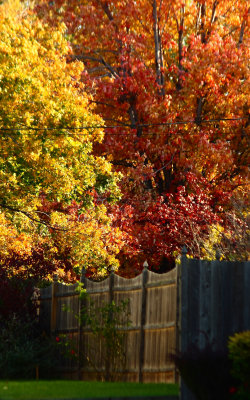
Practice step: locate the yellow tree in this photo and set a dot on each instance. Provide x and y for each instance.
(50, 180)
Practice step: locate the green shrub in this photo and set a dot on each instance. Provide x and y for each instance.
(239, 355)
(107, 323)
(24, 351)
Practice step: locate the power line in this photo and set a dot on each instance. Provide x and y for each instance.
(134, 127)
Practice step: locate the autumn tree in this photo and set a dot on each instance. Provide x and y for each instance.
(170, 79)
(52, 186)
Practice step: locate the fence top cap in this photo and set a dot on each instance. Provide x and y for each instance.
(145, 264)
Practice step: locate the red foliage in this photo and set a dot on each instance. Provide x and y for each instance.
(178, 178)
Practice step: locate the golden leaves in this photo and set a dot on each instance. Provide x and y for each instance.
(11, 240)
(44, 150)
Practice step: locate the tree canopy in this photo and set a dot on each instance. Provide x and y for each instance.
(52, 186)
(123, 133)
(171, 81)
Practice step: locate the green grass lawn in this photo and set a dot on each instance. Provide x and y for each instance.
(34, 390)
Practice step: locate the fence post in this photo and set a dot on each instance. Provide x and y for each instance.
(111, 285)
(185, 393)
(184, 300)
(178, 318)
(143, 320)
(108, 365)
(82, 303)
(53, 304)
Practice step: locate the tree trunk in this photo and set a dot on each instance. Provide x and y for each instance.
(158, 52)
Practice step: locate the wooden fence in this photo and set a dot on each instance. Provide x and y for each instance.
(151, 336)
(215, 303)
(197, 303)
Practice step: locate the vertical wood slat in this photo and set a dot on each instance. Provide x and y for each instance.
(178, 317)
(53, 314)
(143, 320)
(82, 303)
(237, 297)
(186, 334)
(131, 289)
(45, 309)
(204, 304)
(111, 299)
(226, 302)
(184, 301)
(216, 303)
(160, 328)
(246, 290)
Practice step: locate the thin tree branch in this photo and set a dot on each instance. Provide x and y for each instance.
(158, 52)
(200, 102)
(213, 18)
(242, 30)
(166, 165)
(203, 16)
(102, 103)
(28, 215)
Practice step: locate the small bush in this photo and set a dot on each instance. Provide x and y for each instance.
(24, 351)
(239, 354)
(107, 323)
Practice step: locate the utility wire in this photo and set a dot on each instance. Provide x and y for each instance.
(89, 127)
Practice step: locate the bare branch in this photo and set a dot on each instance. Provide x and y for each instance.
(203, 16)
(158, 52)
(213, 18)
(200, 102)
(242, 30)
(197, 23)
(106, 9)
(166, 165)
(109, 68)
(230, 32)
(123, 163)
(102, 103)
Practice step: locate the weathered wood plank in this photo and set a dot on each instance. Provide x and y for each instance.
(143, 320)
(184, 303)
(193, 301)
(237, 324)
(157, 279)
(216, 305)
(127, 284)
(205, 304)
(226, 304)
(53, 315)
(246, 294)
(97, 287)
